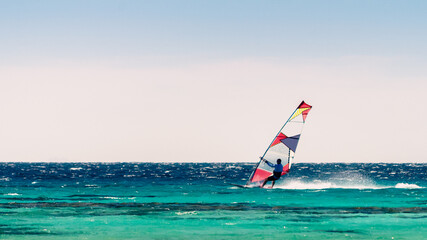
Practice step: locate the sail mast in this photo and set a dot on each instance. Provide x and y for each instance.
(252, 174)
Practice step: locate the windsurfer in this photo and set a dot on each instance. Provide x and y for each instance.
(277, 173)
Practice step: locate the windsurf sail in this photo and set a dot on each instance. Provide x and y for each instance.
(283, 145)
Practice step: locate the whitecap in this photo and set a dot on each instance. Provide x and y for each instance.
(186, 213)
(299, 185)
(407, 185)
(115, 198)
(315, 185)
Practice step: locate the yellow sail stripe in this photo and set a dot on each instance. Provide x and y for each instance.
(298, 112)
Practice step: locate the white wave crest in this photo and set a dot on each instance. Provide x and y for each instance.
(407, 185)
(299, 185)
(186, 213)
(114, 198)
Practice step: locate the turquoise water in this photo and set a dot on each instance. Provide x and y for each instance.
(183, 201)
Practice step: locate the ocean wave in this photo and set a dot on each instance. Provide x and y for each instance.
(114, 198)
(186, 213)
(299, 185)
(315, 185)
(407, 185)
(131, 208)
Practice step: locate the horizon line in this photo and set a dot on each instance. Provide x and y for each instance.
(201, 162)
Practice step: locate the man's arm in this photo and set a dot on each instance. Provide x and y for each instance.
(268, 163)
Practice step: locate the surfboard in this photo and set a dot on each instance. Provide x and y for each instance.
(238, 185)
(249, 186)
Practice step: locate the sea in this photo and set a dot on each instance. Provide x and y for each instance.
(198, 201)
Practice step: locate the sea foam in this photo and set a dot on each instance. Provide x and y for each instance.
(300, 185)
(407, 185)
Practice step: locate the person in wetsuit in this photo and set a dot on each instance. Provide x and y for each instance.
(277, 173)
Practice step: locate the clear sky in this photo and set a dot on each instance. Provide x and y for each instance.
(211, 81)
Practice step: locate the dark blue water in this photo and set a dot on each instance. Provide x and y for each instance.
(185, 200)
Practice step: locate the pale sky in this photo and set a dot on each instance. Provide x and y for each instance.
(211, 81)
